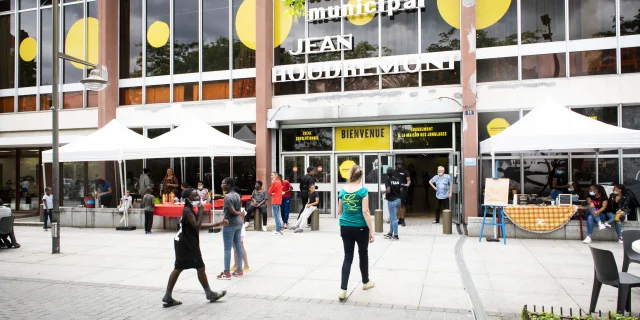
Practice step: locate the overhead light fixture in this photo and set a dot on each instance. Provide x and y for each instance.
(96, 81)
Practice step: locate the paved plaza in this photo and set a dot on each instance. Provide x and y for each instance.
(103, 273)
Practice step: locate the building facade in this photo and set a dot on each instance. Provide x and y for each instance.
(352, 82)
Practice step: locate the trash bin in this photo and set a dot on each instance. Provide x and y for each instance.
(315, 220)
(378, 220)
(446, 222)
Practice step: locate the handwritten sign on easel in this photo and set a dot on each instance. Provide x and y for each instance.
(496, 192)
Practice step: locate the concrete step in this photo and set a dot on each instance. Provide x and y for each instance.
(28, 223)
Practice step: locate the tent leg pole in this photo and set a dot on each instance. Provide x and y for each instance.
(597, 168)
(44, 178)
(213, 179)
(124, 192)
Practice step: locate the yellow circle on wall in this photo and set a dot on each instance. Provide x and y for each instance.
(496, 126)
(75, 41)
(246, 23)
(488, 12)
(345, 167)
(28, 49)
(158, 34)
(364, 18)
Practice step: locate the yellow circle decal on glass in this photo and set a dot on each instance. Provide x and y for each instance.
(488, 12)
(246, 23)
(75, 44)
(158, 34)
(345, 167)
(28, 49)
(496, 126)
(365, 17)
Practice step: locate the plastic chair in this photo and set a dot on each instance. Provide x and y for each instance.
(6, 225)
(629, 236)
(606, 272)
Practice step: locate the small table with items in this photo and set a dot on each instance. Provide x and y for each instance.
(541, 218)
(170, 210)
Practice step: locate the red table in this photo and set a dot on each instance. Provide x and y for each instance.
(218, 204)
(175, 211)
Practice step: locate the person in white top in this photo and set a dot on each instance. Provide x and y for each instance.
(4, 242)
(203, 192)
(47, 202)
(125, 204)
(245, 258)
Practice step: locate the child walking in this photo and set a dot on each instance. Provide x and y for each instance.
(125, 203)
(148, 203)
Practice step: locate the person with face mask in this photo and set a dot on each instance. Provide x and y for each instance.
(442, 184)
(619, 208)
(596, 205)
(559, 183)
(203, 192)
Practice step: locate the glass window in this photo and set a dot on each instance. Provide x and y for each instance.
(343, 175)
(7, 51)
(157, 167)
(442, 77)
(28, 48)
(221, 170)
(631, 120)
(281, 55)
(630, 24)
(29, 180)
(46, 50)
(608, 171)
(183, 92)
(504, 32)
(492, 123)
(324, 27)
(215, 90)
(158, 55)
(245, 132)
(327, 85)
(294, 169)
(608, 115)
(130, 96)
(498, 69)
(596, 62)
(400, 33)
(630, 58)
(244, 88)
(401, 80)
(244, 55)
(592, 19)
(365, 33)
(7, 5)
(185, 37)
(584, 173)
(6, 104)
(45, 102)
(287, 88)
(537, 175)
(27, 4)
(72, 100)
(27, 103)
(542, 21)
(74, 43)
(544, 66)
(506, 169)
(437, 34)
(362, 83)
(8, 172)
(92, 99)
(308, 139)
(223, 129)
(73, 182)
(322, 168)
(244, 173)
(91, 36)
(215, 35)
(130, 39)
(423, 136)
(630, 170)
(158, 94)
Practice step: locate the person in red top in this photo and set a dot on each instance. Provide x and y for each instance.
(276, 201)
(286, 201)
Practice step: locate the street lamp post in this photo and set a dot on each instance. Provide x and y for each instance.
(95, 82)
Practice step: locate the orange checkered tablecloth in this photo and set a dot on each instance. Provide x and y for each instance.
(540, 219)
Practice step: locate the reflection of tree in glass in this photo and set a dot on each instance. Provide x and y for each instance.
(157, 61)
(446, 43)
(215, 55)
(629, 27)
(186, 57)
(484, 41)
(243, 57)
(401, 80)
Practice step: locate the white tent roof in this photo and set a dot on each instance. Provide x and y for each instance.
(111, 143)
(551, 126)
(196, 139)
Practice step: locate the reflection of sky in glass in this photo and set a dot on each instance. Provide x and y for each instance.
(532, 11)
(185, 32)
(629, 11)
(158, 58)
(504, 32)
(433, 26)
(46, 58)
(28, 4)
(215, 26)
(28, 28)
(72, 14)
(400, 33)
(365, 36)
(591, 19)
(134, 37)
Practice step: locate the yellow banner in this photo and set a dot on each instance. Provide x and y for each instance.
(363, 138)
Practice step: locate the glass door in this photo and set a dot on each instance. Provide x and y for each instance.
(456, 198)
(344, 162)
(294, 170)
(321, 165)
(375, 174)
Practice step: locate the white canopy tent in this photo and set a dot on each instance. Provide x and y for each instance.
(196, 139)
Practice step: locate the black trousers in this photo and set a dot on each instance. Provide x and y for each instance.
(304, 194)
(439, 204)
(351, 236)
(263, 211)
(148, 220)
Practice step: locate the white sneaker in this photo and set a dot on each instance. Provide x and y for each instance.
(246, 225)
(606, 224)
(620, 241)
(264, 228)
(276, 233)
(587, 240)
(122, 220)
(343, 296)
(368, 285)
(601, 226)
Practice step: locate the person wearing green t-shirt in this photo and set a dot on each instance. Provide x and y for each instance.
(355, 227)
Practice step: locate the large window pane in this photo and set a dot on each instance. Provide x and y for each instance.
(361, 83)
(506, 169)
(544, 66)
(244, 57)
(592, 19)
(46, 50)
(437, 34)
(287, 88)
(245, 132)
(158, 94)
(184, 92)
(502, 33)
(74, 35)
(608, 171)
(538, 175)
(498, 69)
(28, 39)
(584, 174)
(6, 104)
(7, 51)
(281, 55)
(185, 37)
(7, 5)
(27, 103)
(402, 80)
(244, 173)
(328, 85)
(130, 96)
(589, 63)
(492, 123)
(631, 120)
(73, 181)
(244, 88)
(72, 100)
(608, 115)
(542, 21)
(322, 28)
(630, 58)
(400, 33)
(215, 90)
(30, 176)
(442, 77)
(215, 35)
(365, 34)
(158, 54)
(629, 17)
(631, 170)
(8, 176)
(130, 39)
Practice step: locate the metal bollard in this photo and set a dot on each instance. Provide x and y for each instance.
(315, 220)
(257, 219)
(446, 222)
(378, 220)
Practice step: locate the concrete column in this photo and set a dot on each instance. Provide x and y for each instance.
(470, 116)
(264, 63)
